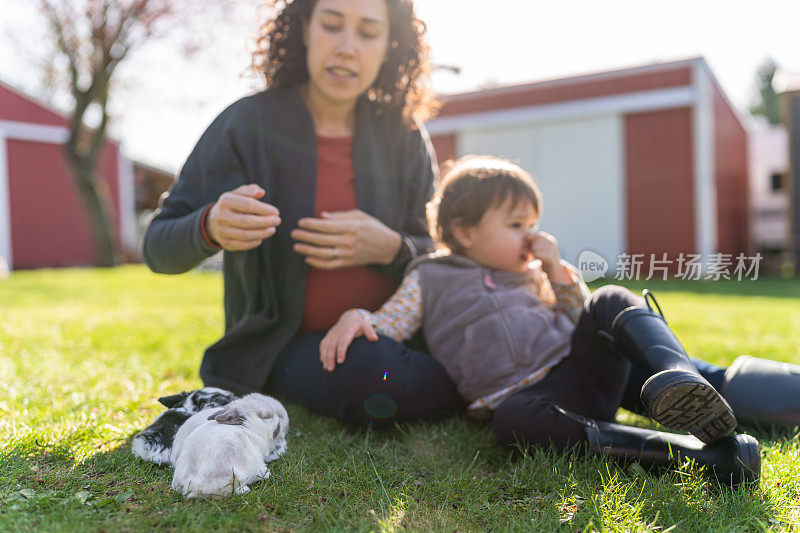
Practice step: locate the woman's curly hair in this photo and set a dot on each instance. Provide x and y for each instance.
(402, 85)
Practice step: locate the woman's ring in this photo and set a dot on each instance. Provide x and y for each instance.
(335, 252)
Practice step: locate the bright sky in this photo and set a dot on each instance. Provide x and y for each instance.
(167, 100)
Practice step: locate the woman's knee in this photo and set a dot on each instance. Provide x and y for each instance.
(414, 371)
(384, 382)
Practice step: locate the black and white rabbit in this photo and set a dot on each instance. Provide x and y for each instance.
(154, 443)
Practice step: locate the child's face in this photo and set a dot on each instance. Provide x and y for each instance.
(502, 238)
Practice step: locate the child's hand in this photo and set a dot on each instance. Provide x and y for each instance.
(545, 248)
(333, 348)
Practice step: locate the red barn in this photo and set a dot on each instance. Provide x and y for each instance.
(42, 219)
(645, 160)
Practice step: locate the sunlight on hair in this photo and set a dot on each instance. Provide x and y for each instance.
(487, 163)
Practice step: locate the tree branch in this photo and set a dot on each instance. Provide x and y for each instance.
(59, 27)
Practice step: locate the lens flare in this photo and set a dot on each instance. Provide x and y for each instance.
(385, 373)
(380, 406)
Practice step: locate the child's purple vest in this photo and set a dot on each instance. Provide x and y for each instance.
(490, 329)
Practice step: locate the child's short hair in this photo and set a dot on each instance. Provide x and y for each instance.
(472, 185)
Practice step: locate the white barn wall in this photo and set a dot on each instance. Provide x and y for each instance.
(704, 171)
(127, 201)
(579, 166)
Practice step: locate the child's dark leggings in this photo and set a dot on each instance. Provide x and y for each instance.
(590, 381)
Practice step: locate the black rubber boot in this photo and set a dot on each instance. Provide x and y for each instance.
(732, 460)
(763, 393)
(675, 395)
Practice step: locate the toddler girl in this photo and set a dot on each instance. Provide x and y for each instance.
(527, 346)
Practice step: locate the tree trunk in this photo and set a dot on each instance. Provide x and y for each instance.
(93, 193)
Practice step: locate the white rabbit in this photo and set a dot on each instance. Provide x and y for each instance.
(222, 450)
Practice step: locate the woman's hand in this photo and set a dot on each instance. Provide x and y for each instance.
(333, 348)
(544, 247)
(239, 221)
(345, 239)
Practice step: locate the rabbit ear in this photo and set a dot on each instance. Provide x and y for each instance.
(228, 415)
(175, 399)
(266, 414)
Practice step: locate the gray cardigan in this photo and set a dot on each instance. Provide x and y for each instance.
(269, 139)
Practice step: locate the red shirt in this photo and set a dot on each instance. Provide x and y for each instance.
(329, 293)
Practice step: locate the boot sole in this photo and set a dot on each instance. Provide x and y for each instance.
(687, 402)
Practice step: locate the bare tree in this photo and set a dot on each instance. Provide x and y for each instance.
(93, 37)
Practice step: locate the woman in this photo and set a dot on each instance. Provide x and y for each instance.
(316, 190)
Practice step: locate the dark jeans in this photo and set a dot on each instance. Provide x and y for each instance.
(379, 383)
(590, 381)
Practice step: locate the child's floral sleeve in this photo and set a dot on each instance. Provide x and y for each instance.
(401, 315)
(570, 296)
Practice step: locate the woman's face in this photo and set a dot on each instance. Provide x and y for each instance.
(347, 42)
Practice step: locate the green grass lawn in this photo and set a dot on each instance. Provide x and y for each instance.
(85, 353)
